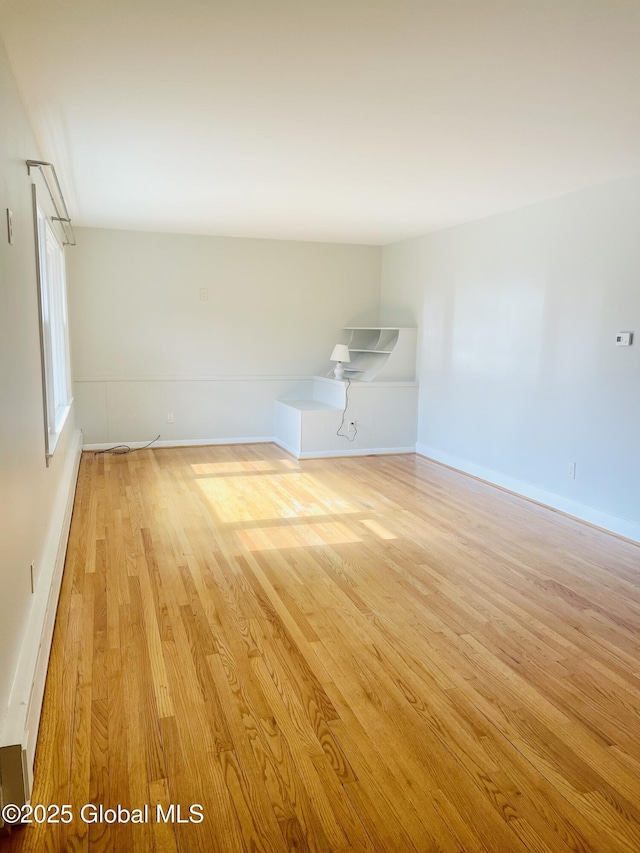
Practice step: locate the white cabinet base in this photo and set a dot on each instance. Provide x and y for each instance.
(385, 414)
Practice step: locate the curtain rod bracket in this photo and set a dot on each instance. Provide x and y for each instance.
(57, 199)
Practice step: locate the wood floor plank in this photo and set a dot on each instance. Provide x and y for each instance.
(360, 654)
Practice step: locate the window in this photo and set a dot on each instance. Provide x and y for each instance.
(54, 332)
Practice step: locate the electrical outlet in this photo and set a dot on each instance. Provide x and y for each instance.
(204, 294)
(170, 418)
(571, 470)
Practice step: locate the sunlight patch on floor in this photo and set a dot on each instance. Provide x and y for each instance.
(267, 496)
(232, 467)
(377, 529)
(297, 536)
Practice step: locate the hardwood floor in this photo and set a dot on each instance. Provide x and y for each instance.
(365, 654)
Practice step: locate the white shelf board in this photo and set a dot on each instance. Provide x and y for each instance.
(375, 328)
(385, 383)
(309, 406)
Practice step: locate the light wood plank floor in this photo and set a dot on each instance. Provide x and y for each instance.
(365, 654)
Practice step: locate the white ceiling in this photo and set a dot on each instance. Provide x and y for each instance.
(339, 120)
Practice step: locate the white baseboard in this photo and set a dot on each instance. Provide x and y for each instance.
(347, 451)
(289, 448)
(25, 703)
(263, 439)
(612, 523)
(183, 442)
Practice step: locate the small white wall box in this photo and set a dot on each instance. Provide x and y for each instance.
(624, 339)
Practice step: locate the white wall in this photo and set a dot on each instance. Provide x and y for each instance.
(144, 344)
(519, 373)
(28, 489)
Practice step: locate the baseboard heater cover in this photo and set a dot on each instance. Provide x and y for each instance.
(20, 729)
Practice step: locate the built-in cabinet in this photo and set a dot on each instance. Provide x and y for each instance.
(379, 393)
(317, 422)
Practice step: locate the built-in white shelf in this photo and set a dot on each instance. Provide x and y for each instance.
(310, 406)
(381, 353)
(313, 420)
(385, 414)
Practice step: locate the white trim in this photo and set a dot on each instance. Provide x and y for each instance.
(347, 451)
(248, 378)
(263, 439)
(289, 448)
(54, 328)
(183, 442)
(309, 405)
(226, 378)
(25, 703)
(54, 436)
(363, 383)
(376, 328)
(611, 523)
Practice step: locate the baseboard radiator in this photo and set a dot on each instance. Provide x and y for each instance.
(20, 729)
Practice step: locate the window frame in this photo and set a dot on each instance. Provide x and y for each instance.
(53, 327)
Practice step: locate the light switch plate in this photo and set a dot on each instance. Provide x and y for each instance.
(624, 339)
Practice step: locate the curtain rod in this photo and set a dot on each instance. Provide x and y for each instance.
(59, 204)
